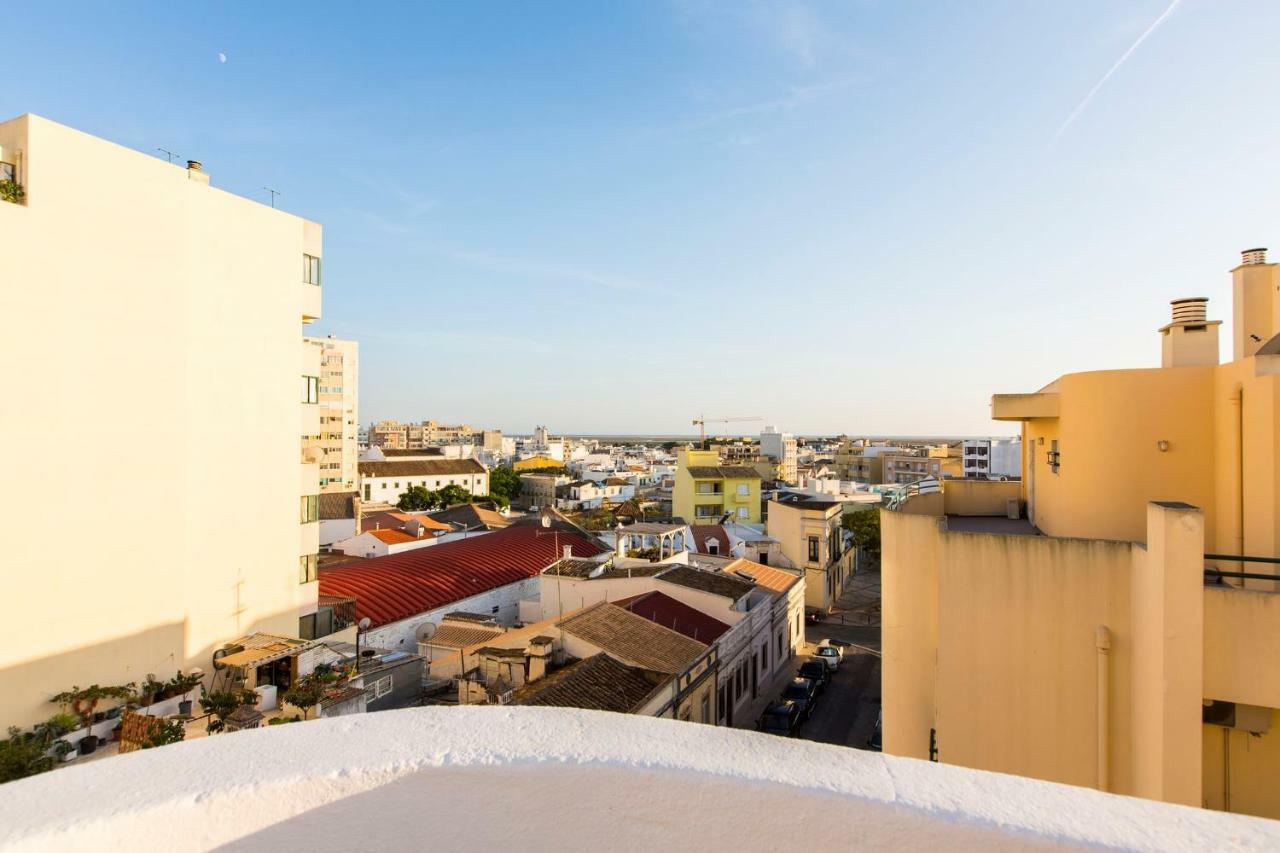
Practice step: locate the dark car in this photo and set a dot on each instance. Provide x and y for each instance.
(780, 718)
(873, 742)
(816, 671)
(804, 692)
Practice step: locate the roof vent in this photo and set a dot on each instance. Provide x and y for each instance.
(1191, 311)
(1253, 256)
(195, 165)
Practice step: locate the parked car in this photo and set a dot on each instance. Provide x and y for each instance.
(812, 616)
(780, 718)
(829, 655)
(873, 742)
(804, 692)
(817, 671)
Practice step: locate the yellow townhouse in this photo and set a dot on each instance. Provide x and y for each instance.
(706, 490)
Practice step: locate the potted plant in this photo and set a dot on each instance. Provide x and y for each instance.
(180, 685)
(83, 702)
(305, 694)
(12, 191)
(223, 704)
(167, 730)
(150, 690)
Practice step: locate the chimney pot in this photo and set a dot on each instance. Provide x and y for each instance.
(195, 165)
(568, 552)
(1253, 256)
(1190, 311)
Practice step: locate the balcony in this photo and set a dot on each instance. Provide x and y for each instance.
(370, 781)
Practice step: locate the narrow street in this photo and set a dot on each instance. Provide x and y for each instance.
(846, 713)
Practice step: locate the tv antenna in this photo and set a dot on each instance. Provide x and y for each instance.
(166, 152)
(274, 193)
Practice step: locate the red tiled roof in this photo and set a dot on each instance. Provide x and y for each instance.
(704, 532)
(666, 611)
(391, 588)
(392, 537)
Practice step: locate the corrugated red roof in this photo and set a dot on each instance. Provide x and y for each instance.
(668, 612)
(391, 588)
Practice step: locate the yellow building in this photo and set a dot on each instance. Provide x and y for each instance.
(339, 413)
(536, 463)
(811, 539)
(1108, 644)
(171, 311)
(705, 491)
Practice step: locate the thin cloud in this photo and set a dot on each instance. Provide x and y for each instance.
(796, 97)
(1080, 108)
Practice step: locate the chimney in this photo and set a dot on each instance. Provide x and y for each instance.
(539, 655)
(1190, 339)
(1255, 308)
(568, 552)
(196, 172)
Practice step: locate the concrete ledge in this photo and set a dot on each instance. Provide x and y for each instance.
(542, 779)
(1021, 407)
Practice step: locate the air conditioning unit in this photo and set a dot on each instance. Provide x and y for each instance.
(1233, 715)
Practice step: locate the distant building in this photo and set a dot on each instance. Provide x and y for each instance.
(387, 481)
(993, 458)
(537, 462)
(339, 413)
(780, 447)
(908, 467)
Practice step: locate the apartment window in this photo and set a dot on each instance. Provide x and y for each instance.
(307, 567)
(710, 488)
(707, 510)
(815, 548)
(743, 512)
(310, 269)
(721, 705)
(378, 689)
(1053, 457)
(706, 709)
(307, 627)
(743, 489)
(8, 172)
(311, 389)
(310, 508)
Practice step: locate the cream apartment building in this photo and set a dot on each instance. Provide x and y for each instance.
(137, 291)
(1111, 636)
(339, 413)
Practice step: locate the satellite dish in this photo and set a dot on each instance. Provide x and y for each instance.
(546, 521)
(425, 631)
(365, 623)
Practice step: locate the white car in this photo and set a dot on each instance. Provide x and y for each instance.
(830, 655)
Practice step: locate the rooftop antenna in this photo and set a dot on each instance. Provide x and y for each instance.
(168, 153)
(274, 193)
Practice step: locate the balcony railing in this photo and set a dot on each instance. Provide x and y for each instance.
(1214, 575)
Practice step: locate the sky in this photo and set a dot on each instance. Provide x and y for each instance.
(859, 217)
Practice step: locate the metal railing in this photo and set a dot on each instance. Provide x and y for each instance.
(1214, 575)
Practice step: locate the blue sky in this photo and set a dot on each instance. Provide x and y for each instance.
(862, 216)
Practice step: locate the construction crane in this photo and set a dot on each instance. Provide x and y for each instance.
(701, 424)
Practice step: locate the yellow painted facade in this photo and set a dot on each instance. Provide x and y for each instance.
(1085, 646)
(171, 312)
(536, 463)
(706, 490)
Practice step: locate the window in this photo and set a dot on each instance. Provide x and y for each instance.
(307, 627)
(311, 389)
(310, 269)
(743, 512)
(710, 488)
(744, 489)
(310, 508)
(378, 689)
(815, 547)
(1054, 458)
(307, 567)
(720, 703)
(706, 709)
(707, 510)
(8, 172)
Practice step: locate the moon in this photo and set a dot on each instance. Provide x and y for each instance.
(222, 57)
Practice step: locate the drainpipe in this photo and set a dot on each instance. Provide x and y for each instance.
(1102, 639)
(1237, 403)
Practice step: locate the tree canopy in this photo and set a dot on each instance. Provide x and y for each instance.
(865, 527)
(504, 482)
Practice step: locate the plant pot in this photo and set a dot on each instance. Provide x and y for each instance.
(88, 744)
(184, 708)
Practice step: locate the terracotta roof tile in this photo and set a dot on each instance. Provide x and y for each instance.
(597, 683)
(633, 639)
(415, 467)
(715, 583)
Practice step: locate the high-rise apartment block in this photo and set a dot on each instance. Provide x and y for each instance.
(781, 448)
(145, 295)
(339, 413)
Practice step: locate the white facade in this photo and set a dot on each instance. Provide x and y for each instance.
(339, 412)
(992, 458)
(780, 447)
(389, 488)
(368, 545)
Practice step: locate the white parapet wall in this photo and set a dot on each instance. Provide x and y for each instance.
(531, 779)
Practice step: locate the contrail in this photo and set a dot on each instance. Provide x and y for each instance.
(1105, 77)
